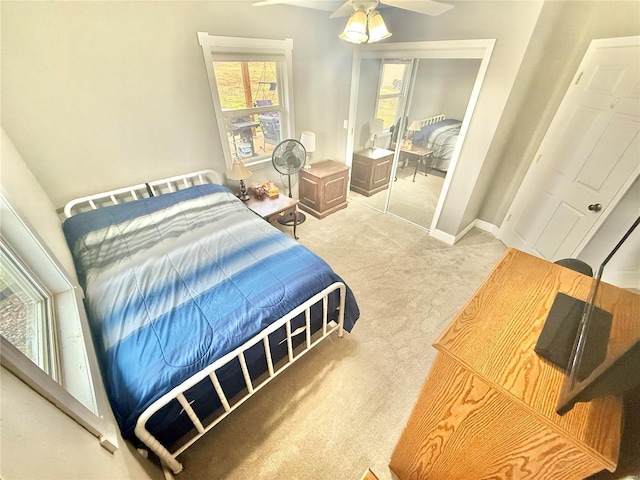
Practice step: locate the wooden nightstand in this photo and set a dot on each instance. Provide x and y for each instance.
(272, 209)
(371, 170)
(323, 188)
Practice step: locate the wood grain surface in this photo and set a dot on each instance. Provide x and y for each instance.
(490, 397)
(461, 428)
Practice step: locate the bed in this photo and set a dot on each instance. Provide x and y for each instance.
(194, 303)
(439, 134)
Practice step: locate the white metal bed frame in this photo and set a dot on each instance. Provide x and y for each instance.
(142, 190)
(431, 120)
(168, 458)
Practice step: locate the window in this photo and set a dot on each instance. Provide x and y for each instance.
(26, 312)
(248, 93)
(251, 89)
(393, 78)
(44, 335)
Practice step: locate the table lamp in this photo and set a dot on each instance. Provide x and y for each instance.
(240, 172)
(413, 128)
(375, 129)
(308, 141)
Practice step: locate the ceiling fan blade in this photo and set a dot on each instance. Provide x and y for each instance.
(344, 11)
(266, 3)
(327, 6)
(426, 7)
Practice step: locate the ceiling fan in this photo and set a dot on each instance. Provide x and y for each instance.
(425, 7)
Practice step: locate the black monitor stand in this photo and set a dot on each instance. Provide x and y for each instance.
(570, 318)
(556, 341)
(571, 321)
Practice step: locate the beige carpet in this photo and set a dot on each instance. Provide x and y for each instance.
(342, 407)
(413, 201)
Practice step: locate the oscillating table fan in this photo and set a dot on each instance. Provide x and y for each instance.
(288, 158)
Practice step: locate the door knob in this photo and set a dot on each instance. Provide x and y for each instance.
(595, 207)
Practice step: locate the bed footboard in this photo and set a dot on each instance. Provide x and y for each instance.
(252, 385)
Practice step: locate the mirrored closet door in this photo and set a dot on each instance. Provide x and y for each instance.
(409, 112)
(382, 96)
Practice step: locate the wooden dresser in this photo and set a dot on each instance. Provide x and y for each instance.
(371, 170)
(487, 408)
(323, 188)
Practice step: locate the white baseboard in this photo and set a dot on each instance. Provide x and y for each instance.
(477, 223)
(464, 231)
(622, 279)
(443, 237)
(487, 227)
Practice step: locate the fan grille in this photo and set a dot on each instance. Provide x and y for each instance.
(288, 157)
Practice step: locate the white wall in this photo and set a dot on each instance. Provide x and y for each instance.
(443, 86)
(38, 440)
(41, 442)
(98, 95)
(26, 195)
(623, 269)
(366, 104)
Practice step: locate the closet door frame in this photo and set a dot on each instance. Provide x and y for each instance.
(448, 49)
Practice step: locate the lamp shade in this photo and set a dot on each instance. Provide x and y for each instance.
(377, 29)
(414, 127)
(308, 141)
(376, 127)
(238, 171)
(356, 29)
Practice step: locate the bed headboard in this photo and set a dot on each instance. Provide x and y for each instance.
(431, 120)
(142, 190)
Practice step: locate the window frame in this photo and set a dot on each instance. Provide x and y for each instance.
(402, 93)
(45, 342)
(218, 48)
(79, 391)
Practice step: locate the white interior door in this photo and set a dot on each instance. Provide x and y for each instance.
(588, 158)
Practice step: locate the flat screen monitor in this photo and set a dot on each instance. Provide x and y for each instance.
(576, 337)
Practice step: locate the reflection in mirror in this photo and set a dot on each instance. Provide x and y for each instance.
(421, 118)
(437, 105)
(380, 102)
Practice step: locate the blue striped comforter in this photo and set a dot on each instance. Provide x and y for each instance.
(176, 281)
(441, 137)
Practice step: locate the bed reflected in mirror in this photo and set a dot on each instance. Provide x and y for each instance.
(422, 166)
(421, 103)
(437, 104)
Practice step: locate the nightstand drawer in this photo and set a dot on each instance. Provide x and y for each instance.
(273, 209)
(274, 217)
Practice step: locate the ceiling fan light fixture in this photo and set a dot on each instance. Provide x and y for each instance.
(377, 29)
(356, 29)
